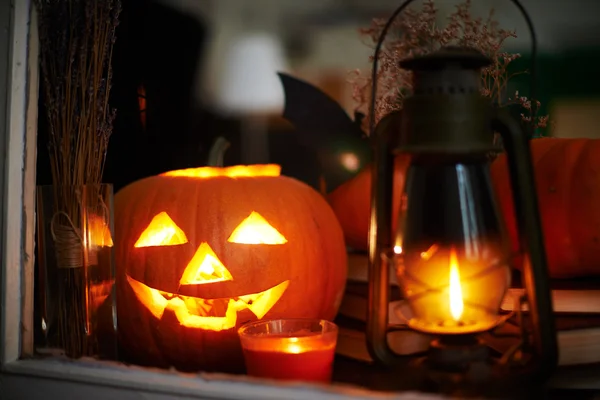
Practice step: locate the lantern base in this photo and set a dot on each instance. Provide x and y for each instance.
(458, 359)
(463, 366)
(458, 365)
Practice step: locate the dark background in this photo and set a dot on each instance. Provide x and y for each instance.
(161, 48)
(177, 134)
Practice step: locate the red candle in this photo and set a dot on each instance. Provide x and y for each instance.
(304, 352)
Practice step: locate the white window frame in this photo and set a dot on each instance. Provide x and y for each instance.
(27, 378)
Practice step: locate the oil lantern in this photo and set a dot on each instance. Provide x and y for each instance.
(451, 252)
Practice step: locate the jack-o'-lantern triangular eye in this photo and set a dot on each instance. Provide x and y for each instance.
(161, 231)
(255, 229)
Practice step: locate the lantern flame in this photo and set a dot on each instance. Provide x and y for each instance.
(456, 299)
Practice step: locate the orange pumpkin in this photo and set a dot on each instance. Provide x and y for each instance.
(351, 202)
(567, 173)
(201, 251)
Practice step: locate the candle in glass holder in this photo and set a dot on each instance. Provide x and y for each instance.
(290, 349)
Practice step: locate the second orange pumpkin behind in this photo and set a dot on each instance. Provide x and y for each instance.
(567, 173)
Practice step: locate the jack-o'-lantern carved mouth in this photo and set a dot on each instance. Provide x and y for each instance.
(208, 314)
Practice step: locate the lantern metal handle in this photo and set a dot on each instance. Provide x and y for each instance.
(381, 215)
(390, 21)
(535, 274)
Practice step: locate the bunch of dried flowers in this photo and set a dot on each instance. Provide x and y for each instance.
(76, 43)
(77, 38)
(415, 33)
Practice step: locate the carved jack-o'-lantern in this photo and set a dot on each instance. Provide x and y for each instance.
(201, 251)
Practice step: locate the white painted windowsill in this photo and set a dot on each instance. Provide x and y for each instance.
(90, 380)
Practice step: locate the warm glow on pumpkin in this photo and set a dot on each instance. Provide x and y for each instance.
(204, 267)
(161, 231)
(236, 171)
(256, 230)
(208, 314)
(456, 298)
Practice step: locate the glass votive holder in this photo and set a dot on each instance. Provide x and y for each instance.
(290, 349)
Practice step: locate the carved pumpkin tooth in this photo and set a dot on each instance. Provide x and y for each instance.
(267, 299)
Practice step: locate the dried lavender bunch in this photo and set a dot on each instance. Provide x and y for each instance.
(415, 33)
(76, 42)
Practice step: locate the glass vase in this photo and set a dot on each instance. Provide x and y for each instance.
(75, 271)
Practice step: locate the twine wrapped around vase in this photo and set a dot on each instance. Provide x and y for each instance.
(70, 247)
(67, 241)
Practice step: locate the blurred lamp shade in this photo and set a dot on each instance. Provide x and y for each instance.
(250, 84)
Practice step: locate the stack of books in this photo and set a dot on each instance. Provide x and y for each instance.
(576, 307)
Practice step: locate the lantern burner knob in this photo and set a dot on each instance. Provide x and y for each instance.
(448, 71)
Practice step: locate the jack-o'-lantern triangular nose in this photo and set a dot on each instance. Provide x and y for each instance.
(205, 267)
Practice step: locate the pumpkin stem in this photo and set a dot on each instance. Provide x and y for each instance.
(217, 152)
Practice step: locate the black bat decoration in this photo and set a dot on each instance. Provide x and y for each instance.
(323, 125)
